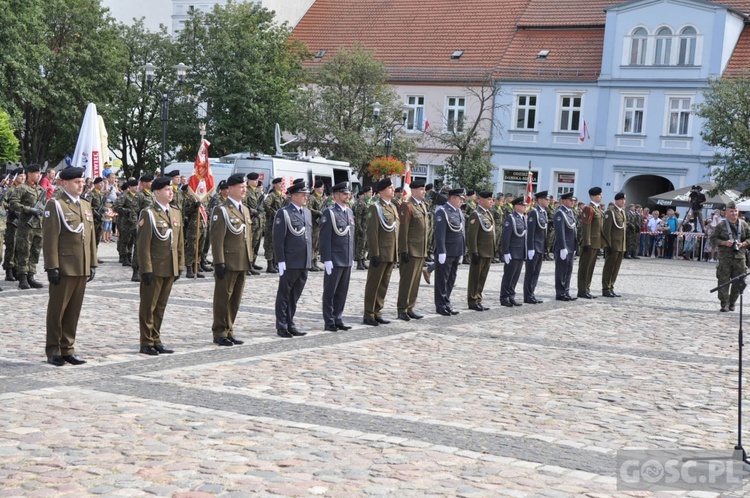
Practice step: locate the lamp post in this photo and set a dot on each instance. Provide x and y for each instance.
(388, 128)
(150, 71)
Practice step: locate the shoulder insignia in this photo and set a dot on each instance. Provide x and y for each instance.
(278, 220)
(472, 221)
(606, 215)
(369, 214)
(216, 217)
(439, 218)
(46, 214)
(323, 219)
(507, 223)
(140, 223)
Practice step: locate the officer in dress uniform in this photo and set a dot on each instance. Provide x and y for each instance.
(69, 248)
(254, 202)
(536, 245)
(514, 251)
(480, 237)
(566, 238)
(232, 243)
(412, 240)
(382, 243)
(450, 243)
(613, 239)
(292, 248)
(337, 253)
(591, 242)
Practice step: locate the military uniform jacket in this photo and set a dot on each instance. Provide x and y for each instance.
(450, 231)
(316, 203)
(591, 226)
(514, 236)
(192, 210)
(231, 240)
(634, 222)
(145, 200)
(25, 198)
(613, 229)
(252, 201)
(274, 201)
(720, 234)
(566, 236)
(480, 233)
(292, 237)
(360, 214)
(160, 244)
(127, 209)
(382, 231)
(536, 234)
(68, 237)
(178, 199)
(96, 197)
(337, 236)
(414, 223)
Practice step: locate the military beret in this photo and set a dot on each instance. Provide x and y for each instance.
(567, 195)
(161, 182)
(429, 187)
(519, 201)
(132, 183)
(223, 185)
(398, 190)
(276, 180)
(541, 195)
(595, 191)
(383, 184)
(70, 173)
(298, 188)
(469, 193)
(417, 184)
(367, 189)
(485, 194)
(456, 191)
(235, 179)
(98, 179)
(696, 187)
(146, 178)
(318, 184)
(619, 195)
(342, 187)
(173, 173)
(17, 171)
(298, 180)
(33, 168)
(124, 185)
(731, 205)
(253, 176)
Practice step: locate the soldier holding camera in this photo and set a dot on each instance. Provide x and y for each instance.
(731, 237)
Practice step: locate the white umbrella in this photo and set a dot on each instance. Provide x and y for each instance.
(103, 140)
(88, 153)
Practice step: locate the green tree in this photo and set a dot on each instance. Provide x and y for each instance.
(726, 110)
(8, 141)
(335, 113)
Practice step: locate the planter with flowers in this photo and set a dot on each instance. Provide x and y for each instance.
(385, 166)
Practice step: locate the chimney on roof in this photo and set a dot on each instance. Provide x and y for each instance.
(457, 54)
(542, 55)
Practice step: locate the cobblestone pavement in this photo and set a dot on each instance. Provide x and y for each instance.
(530, 401)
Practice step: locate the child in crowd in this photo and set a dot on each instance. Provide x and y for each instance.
(109, 216)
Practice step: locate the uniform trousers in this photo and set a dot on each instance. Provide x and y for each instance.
(378, 278)
(729, 267)
(154, 299)
(586, 264)
(63, 310)
(445, 279)
(511, 274)
(291, 284)
(531, 276)
(257, 235)
(477, 278)
(335, 290)
(408, 284)
(563, 272)
(611, 269)
(227, 297)
(9, 259)
(28, 247)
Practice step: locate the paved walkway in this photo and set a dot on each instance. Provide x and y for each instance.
(531, 401)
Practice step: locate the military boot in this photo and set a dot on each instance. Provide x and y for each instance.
(365, 264)
(9, 277)
(271, 267)
(360, 265)
(33, 283)
(190, 273)
(314, 266)
(23, 282)
(206, 267)
(136, 276)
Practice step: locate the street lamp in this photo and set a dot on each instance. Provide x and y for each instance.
(388, 128)
(150, 71)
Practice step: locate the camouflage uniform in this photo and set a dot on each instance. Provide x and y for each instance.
(126, 207)
(430, 205)
(274, 201)
(254, 203)
(9, 259)
(145, 200)
(497, 217)
(96, 198)
(29, 230)
(633, 234)
(550, 233)
(316, 203)
(360, 233)
(731, 263)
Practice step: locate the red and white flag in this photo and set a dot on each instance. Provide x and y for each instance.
(584, 132)
(530, 186)
(407, 180)
(201, 183)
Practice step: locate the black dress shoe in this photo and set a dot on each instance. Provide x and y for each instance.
(452, 312)
(206, 267)
(530, 301)
(403, 316)
(73, 359)
(367, 321)
(515, 303)
(731, 307)
(56, 360)
(296, 332)
(341, 326)
(562, 298)
(162, 350)
(444, 312)
(253, 272)
(331, 328)
(235, 341)
(615, 294)
(382, 320)
(414, 315)
(283, 333)
(476, 307)
(257, 267)
(723, 308)
(571, 298)
(586, 295)
(507, 304)
(149, 350)
(223, 341)
(608, 294)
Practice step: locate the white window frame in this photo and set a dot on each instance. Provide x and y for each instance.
(626, 110)
(525, 108)
(459, 110)
(663, 46)
(637, 47)
(691, 47)
(414, 119)
(681, 111)
(571, 109)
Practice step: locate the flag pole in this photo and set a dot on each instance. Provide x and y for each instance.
(197, 239)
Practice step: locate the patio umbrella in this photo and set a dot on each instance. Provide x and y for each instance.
(88, 153)
(681, 197)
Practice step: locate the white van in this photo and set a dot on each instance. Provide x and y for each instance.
(311, 169)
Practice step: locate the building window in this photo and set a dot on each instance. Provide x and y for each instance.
(570, 112)
(633, 115)
(415, 112)
(663, 49)
(454, 117)
(679, 116)
(565, 182)
(688, 39)
(638, 44)
(526, 112)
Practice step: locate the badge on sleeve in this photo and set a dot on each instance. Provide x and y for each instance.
(46, 214)
(216, 217)
(140, 223)
(472, 221)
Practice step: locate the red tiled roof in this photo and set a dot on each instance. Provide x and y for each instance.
(739, 63)
(574, 55)
(415, 40)
(558, 13)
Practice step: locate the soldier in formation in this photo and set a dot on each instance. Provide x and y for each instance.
(316, 202)
(272, 203)
(254, 203)
(591, 241)
(536, 245)
(480, 241)
(17, 178)
(450, 244)
(360, 216)
(566, 243)
(412, 242)
(613, 238)
(28, 201)
(514, 251)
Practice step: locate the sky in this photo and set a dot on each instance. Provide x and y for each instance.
(154, 12)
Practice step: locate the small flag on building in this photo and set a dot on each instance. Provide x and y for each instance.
(584, 132)
(530, 186)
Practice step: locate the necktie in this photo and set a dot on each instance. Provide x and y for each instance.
(166, 211)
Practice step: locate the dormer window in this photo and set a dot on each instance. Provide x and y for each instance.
(457, 55)
(320, 54)
(542, 55)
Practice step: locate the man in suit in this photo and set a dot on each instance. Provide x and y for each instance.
(161, 256)
(591, 242)
(450, 244)
(514, 251)
(536, 243)
(232, 248)
(412, 241)
(69, 248)
(613, 238)
(382, 243)
(292, 248)
(566, 238)
(337, 233)
(480, 240)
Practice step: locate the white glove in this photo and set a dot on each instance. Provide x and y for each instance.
(441, 258)
(563, 254)
(329, 266)
(282, 267)
(531, 254)
(506, 257)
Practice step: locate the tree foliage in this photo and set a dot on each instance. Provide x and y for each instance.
(726, 110)
(8, 141)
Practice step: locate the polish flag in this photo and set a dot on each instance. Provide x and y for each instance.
(584, 132)
(407, 180)
(530, 186)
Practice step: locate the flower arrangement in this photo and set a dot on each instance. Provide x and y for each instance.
(384, 166)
